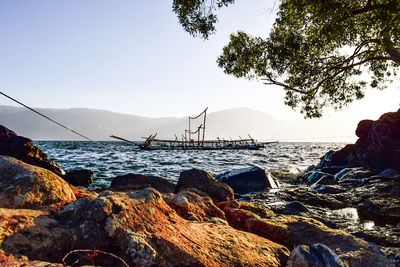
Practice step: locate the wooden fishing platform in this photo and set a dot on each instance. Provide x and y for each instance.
(188, 143)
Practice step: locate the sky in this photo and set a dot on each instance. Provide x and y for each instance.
(133, 57)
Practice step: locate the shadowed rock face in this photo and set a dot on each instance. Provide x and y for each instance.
(378, 146)
(23, 149)
(132, 181)
(27, 186)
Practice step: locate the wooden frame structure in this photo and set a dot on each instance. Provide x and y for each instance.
(188, 143)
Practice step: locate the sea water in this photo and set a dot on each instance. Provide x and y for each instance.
(118, 158)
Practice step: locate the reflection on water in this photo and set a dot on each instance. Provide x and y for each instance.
(351, 217)
(118, 158)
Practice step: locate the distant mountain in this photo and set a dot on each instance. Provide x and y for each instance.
(232, 123)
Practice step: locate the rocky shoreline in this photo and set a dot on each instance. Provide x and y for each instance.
(240, 218)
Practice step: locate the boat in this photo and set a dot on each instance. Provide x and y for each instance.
(187, 142)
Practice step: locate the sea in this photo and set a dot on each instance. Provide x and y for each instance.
(118, 158)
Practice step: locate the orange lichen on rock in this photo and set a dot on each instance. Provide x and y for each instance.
(194, 205)
(27, 186)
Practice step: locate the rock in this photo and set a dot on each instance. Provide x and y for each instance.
(143, 230)
(9, 260)
(79, 177)
(23, 149)
(377, 147)
(326, 189)
(325, 161)
(133, 181)
(316, 255)
(364, 128)
(344, 157)
(15, 220)
(294, 208)
(246, 180)
(194, 206)
(206, 183)
(316, 176)
(388, 173)
(332, 170)
(352, 174)
(27, 186)
(382, 210)
(292, 231)
(326, 180)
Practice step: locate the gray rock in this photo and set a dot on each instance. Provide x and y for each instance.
(246, 180)
(314, 176)
(317, 255)
(352, 174)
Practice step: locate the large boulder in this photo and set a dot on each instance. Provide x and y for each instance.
(247, 180)
(27, 186)
(23, 149)
(378, 145)
(134, 181)
(140, 228)
(205, 182)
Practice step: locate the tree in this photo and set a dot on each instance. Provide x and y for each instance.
(322, 52)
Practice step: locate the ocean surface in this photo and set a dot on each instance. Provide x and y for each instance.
(118, 158)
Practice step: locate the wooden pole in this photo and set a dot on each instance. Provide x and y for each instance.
(204, 126)
(190, 133)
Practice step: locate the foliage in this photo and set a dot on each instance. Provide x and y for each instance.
(323, 53)
(197, 16)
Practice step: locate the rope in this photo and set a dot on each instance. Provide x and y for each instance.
(50, 119)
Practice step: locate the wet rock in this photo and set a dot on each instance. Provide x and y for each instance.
(205, 182)
(315, 176)
(313, 198)
(325, 161)
(143, 230)
(134, 181)
(79, 177)
(23, 149)
(352, 174)
(316, 255)
(246, 180)
(332, 169)
(384, 210)
(27, 186)
(326, 180)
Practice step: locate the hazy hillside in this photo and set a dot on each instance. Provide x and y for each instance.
(100, 124)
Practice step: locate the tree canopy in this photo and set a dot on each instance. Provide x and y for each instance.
(322, 52)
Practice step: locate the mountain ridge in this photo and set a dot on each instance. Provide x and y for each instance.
(99, 124)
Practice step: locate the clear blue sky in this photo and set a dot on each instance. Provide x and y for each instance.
(133, 57)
